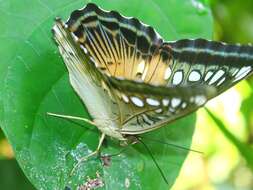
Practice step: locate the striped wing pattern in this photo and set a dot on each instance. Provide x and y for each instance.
(152, 81)
(212, 63)
(121, 47)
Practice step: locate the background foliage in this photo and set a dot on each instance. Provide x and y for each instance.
(227, 160)
(222, 166)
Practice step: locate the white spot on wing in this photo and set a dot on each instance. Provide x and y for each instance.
(184, 105)
(217, 76)
(175, 102)
(242, 73)
(152, 102)
(125, 98)
(194, 76)
(159, 110)
(200, 100)
(141, 67)
(165, 102)
(221, 81)
(177, 78)
(234, 73)
(208, 75)
(167, 73)
(137, 101)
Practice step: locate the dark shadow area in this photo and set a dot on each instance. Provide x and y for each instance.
(12, 177)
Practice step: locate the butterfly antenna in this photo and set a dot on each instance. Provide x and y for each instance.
(173, 145)
(153, 158)
(71, 117)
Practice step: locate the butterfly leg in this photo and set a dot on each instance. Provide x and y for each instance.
(101, 139)
(87, 121)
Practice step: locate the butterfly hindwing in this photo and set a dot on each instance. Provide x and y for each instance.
(147, 107)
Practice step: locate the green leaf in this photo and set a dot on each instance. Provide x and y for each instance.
(34, 81)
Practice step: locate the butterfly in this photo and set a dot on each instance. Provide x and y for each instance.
(132, 81)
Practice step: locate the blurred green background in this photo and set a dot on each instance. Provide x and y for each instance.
(226, 162)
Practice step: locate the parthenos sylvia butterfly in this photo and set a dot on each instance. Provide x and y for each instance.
(132, 81)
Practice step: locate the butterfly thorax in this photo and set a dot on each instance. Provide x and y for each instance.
(109, 128)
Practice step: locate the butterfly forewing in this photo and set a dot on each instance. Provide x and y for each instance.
(120, 46)
(149, 81)
(212, 63)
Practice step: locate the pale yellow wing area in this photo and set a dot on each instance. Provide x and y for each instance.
(121, 47)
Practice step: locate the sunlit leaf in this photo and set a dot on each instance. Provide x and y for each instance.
(243, 148)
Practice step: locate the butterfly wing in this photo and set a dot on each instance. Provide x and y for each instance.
(87, 81)
(151, 81)
(200, 70)
(120, 46)
(147, 107)
(211, 63)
